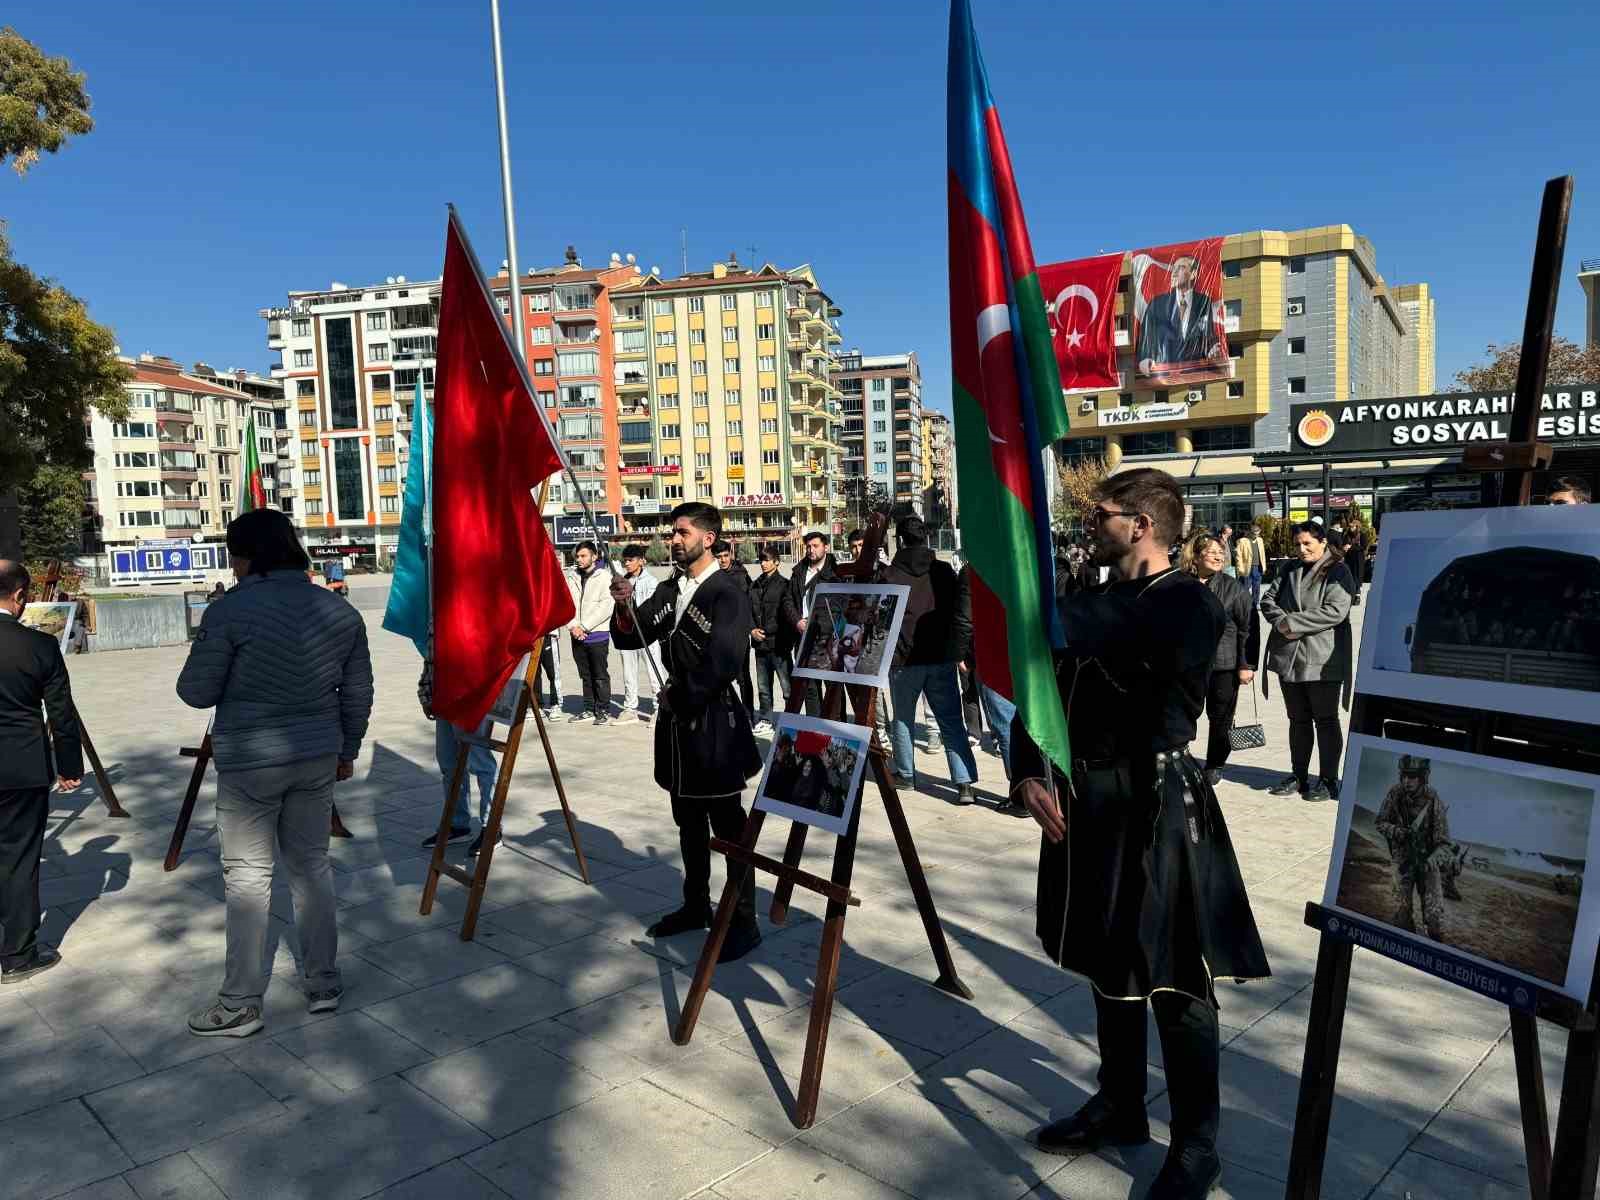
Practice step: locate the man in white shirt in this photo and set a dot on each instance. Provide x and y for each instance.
(644, 586)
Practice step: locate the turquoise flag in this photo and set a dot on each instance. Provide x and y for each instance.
(408, 610)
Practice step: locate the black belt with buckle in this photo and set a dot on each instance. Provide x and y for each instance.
(1194, 817)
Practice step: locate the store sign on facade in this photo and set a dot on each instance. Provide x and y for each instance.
(1449, 421)
(755, 500)
(1143, 413)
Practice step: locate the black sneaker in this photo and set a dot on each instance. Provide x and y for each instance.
(1289, 787)
(43, 959)
(1317, 792)
(477, 842)
(964, 794)
(1013, 808)
(601, 719)
(458, 833)
(324, 1001)
(684, 920)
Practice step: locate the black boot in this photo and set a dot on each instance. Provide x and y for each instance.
(744, 935)
(690, 917)
(1189, 1173)
(1098, 1123)
(1292, 786)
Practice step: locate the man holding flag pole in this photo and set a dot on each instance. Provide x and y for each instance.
(1139, 889)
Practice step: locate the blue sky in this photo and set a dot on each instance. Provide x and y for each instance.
(245, 150)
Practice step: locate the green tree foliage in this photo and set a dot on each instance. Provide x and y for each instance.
(656, 553)
(1569, 363)
(42, 102)
(52, 514)
(744, 551)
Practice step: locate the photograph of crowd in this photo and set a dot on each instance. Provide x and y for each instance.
(1480, 855)
(851, 632)
(1490, 609)
(813, 771)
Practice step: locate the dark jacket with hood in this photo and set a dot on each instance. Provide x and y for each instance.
(938, 621)
(766, 605)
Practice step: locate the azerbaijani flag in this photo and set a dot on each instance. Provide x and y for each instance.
(1008, 407)
(252, 492)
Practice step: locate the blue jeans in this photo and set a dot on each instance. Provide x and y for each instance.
(999, 711)
(768, 667)
(480, 766)
(937, 681)
(1255, 585)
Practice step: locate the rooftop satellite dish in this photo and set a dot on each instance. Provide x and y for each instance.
(632, 258)
(504, 263)
(615, 257)
(389, 279)
(656, 271)
(336, 286)
(399, 278)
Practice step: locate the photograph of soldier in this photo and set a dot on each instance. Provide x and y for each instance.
(1481, 855)
(813, 770)
(1498, 612)
(851, 635)
(1416, 825)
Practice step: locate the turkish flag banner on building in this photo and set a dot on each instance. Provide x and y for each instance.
(1178, 333)
(497, 586)
(1081, 299)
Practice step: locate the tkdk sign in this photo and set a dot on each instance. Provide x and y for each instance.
(1446, 422)
(1145, 412)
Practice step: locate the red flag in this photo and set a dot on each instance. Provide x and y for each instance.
(496, 583)
(808, 742)
(1081, 297)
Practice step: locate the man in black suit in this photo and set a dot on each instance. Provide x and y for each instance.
(32, 673)
(1178, 325)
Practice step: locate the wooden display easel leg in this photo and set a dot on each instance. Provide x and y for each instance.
(107, 792)
(1320, 1070)
(793, 851)
(720, 924)
(561, 794)
(1530, 1092)
(1577, 1153)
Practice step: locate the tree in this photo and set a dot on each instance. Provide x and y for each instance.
(863, 497)
(42, 102)
(744, 551)
(55, 363)
(656, 553)
(52, 514)
(1079, 482)
(1569, 363)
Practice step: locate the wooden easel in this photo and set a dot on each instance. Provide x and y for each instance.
(835, 889)
(1568, 1174)
(477, 879)
(47, 593)
(180, 830)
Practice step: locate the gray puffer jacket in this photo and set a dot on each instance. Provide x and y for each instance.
(285, 665)
(1315, 605)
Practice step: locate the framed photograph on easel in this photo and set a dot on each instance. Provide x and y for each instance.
(814, 770)
(851, 633)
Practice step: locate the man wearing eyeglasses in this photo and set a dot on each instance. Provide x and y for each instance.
(1139, 889)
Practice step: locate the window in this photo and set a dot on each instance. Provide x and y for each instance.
(347, 478)
(631, 341)
(661, 307)
(769, 395)
(1074, 450)
(766, 363)
(880, 385)
(300, 327)
(634, 432)
(1297, 385)
(1125, 400)
(730, 333)
(735, 428)
(505, 305)
(311, 478)
(308, 449)
(702, 491)
(701, 400)
(880, 427)
(1232, 270)
(377, 322)
(303, 358)
(672, 491)
(1221, 437)
(702, 429)
(1163, 441)
(547, 398)
(731, 396)
(697, 367)
(697, 337)
(766, 299)
(880, 447)
(765, 332)
(385, 445)
(305, 387)
(666, 370)
(671, 431)
(578, 362)
(667, 400)
(879, 404)
(880, 468)
(736, 488)
(542, 335)
(202, 489)
(769, 424)
(544, 366)
(378, 352)
(383, 412)
(1297, 265)
(388, 474)
(665, 337)
(736, 458)
(580, 395)
(341, 373)
(538, 301)
(1233, 308)
(769, 458)
(1297, 345)
(264, 445)
(225, 490)
(1235, 389)
(702, 460)
(389, 504)
(313, 508)
(729, 302)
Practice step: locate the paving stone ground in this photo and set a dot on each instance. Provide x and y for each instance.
(536, 1061)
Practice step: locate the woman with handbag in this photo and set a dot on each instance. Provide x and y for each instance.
(1307, 607)
(1234, 665)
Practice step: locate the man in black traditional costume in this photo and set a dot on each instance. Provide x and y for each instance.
(1139, 889)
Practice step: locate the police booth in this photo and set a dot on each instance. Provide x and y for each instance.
(166, 561)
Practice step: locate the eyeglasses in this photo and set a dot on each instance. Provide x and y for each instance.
(1096, 515)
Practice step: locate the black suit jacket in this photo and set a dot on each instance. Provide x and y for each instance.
(1160, 339)
(33, 681)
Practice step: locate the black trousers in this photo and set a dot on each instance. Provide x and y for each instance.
(1314, 716)
(595, 671)
(547, 671)
(1222, 698)
(696, 819)
(23, 815)
(747, 690)
(1189, 1052)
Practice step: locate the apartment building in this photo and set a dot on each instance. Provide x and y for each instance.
(883, 438)
(725, 394)
(173, 468)
(939, 486)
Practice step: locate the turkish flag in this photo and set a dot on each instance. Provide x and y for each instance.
(1081, 298)
(807, 741)
(497, 586)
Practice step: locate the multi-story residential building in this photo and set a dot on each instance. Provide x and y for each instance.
(173, 469)
(724, 389)
(881, 395)
(1589, 280)
(940, 479)
(351, 358)
(1415, 301)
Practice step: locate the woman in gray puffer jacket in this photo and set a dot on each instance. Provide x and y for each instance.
(1307, 608)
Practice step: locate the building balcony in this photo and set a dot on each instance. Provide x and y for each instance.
(797, 312)
(180, 502)
(834, 337)
(801, 374)
(814, 322)
(177, 473)
(279, 372)
(633, 385)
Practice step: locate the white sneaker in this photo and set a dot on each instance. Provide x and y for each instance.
(627, 716)
(762, 727)
(554, 716)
